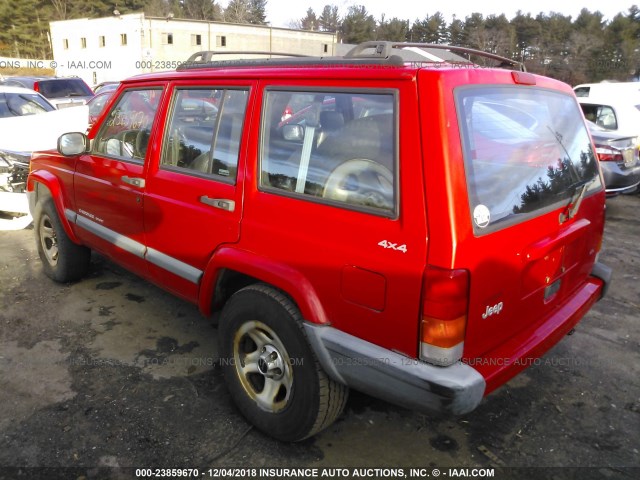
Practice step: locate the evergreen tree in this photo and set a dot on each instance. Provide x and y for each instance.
(358, 25)
(310, 21)
(395, 30)
(329, 20)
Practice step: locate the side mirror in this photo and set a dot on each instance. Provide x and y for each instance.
(71, 144)
(293, 133)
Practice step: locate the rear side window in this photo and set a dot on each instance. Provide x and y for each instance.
(526, 152)
(203, 132)
(332, 147)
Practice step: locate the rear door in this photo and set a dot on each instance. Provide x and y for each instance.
(336, 203)
(533, 186)
(194, 192)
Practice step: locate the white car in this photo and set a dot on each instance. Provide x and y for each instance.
(28, 122)
(613, 106)
(18, 101)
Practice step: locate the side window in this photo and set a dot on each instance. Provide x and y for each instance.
(126, 130)
(337, 148)
(203, 132)
(607, 118)
(601, 115)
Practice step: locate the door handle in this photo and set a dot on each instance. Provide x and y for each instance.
(135, 181)
(221, 203)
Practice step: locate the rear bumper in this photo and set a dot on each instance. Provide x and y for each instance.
(401, 380)
(521, 351)
(456, 389)
(618, 179)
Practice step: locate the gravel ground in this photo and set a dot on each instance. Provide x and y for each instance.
(113, 373)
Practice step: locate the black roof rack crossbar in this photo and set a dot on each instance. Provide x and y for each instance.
(382, 49)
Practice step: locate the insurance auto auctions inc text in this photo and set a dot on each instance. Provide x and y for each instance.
(352, 473)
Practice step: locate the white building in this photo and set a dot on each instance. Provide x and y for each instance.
(114, 48)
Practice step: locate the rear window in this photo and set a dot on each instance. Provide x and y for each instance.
(64, 87)
(526, 152)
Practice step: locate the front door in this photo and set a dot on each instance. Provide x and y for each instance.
(110, 180)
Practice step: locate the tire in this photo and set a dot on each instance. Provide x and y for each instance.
(62, 260)
(272, 374)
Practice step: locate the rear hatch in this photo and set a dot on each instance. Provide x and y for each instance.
(535, 208)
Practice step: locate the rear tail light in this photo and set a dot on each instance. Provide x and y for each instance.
(609, 154)
(445, 302)
(36, 86)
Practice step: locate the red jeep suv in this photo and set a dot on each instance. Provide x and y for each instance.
(417, 231)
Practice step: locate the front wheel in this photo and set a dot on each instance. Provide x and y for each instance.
(272, 373)
(62, 260)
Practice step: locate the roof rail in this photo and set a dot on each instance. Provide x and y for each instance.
(204, 59)
(383, 49)
(382, 53)
(206, 56)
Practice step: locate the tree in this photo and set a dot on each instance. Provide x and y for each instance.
(258, 12)
(456, 34)
(528, 33)
(202, 10)
(310, 21)
(432, 29)
(358, 26)
(237, 11)
(500, 36)
(329, 20)
(395, 30)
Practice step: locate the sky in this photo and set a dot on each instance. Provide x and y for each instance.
(280, 13)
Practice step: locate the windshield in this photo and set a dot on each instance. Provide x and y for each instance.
(526, 151)
(18, 104)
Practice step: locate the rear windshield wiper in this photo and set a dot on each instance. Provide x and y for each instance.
(579, 190)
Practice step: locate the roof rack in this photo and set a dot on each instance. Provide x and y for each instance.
(367, 53)
(383, 49)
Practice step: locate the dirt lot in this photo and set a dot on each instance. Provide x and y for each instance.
(113, 372)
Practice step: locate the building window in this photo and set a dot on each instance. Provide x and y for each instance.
(65, 44)
(167, 38)
(83, 42)
(196, 40)
(221, 41)
(101, 41)
(123, 39)
(325, 47)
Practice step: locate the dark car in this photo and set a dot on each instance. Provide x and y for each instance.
(61, 92)
(619, 160)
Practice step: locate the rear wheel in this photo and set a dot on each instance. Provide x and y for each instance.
(62, 260)
(272, 373)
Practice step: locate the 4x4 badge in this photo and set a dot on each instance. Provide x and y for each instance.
(482, 216)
